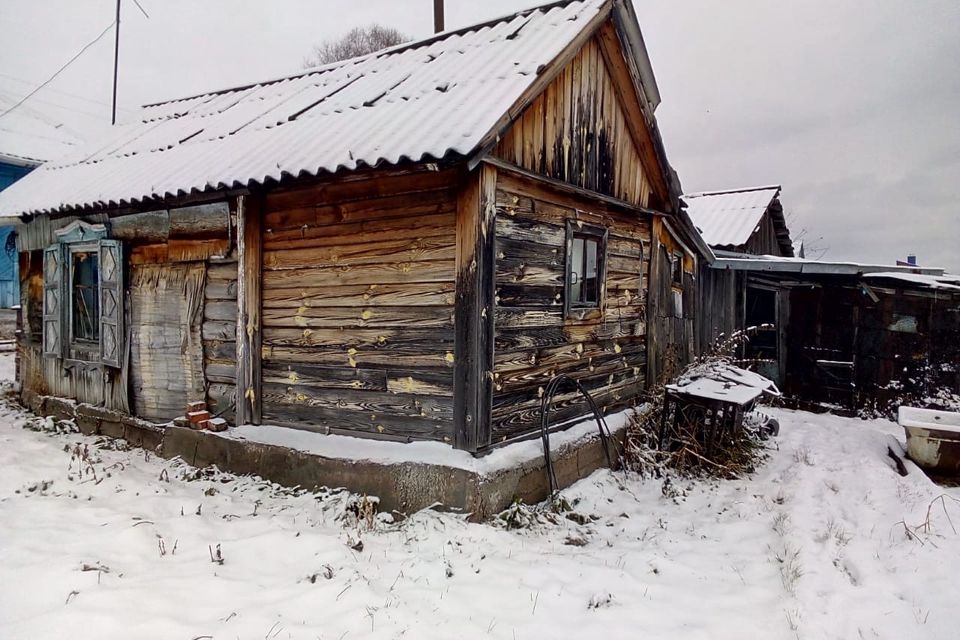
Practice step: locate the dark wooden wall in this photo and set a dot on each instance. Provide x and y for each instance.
(579, 131)
(673, 309)
(358, 305)
(893, 343)
(764, 240)
(721, 296)
(605, 350)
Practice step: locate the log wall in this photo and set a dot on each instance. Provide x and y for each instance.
(358, 306)
(219, 334)
(180, 320)
(534, 341)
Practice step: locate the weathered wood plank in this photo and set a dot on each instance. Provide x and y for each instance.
(476, 261)
(200, 221)
(143, 228)
(248, 323)
(397, 273)
(329, 421)
(324, 377)
(361, 186)
(357, 357)
(417, 294)
(375, 253)
(407, 339)
(410, 222)
(374, 406)
(327, 317)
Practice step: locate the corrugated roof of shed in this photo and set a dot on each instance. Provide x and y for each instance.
(729, 218)
(421, 101)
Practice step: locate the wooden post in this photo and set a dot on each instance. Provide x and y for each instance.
(249, 337)
(438, 21)
(474, 331)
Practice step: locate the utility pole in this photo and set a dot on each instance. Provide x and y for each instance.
(116, 63)
(438, 16)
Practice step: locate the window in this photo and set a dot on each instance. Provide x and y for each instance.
(677, 270)
(84, 296)
(586, 268)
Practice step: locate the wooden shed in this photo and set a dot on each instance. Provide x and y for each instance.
(408, 245)
(741, 222)
(851, 334)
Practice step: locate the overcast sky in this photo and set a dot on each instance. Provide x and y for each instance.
(853, 106)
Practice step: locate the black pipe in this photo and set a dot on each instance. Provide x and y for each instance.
(549, 392)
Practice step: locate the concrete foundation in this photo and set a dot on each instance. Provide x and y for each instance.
(404, 487)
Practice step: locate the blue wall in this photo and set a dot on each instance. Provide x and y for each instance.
(9, 278)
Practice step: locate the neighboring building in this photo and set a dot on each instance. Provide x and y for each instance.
(742, 220)
(837, 332)
(27, 140)
(407, 246)
(747, 221)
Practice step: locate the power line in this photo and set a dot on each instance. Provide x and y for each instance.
(67, 94)
(61, 69)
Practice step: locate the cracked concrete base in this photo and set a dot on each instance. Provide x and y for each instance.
(404, 487)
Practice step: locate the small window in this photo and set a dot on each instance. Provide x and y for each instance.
(84, 298)
(677, 266)
(586, 255)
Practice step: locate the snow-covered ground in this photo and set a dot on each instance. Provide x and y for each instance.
(813, 546)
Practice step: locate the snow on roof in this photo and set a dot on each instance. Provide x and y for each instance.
(722, 381)
(729, 218)
(28, 138)
(946, 281)
(421, 102)
(741, 262)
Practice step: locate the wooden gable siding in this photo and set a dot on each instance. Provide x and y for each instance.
(358, 306)
(763, 241)
(534, 341)
(578, 131)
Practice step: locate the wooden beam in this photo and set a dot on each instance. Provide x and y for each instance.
(474, 324)
(568, 187)
(249, 293)
(654, 352)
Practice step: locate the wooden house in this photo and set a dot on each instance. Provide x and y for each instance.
(408, 245)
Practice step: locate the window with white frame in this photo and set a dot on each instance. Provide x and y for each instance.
(585, 266)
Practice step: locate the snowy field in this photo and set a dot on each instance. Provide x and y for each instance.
(118, 544)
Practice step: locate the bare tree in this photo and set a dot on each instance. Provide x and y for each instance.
(358, 41)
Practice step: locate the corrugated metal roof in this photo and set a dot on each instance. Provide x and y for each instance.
(781, 264)
(27, 138)
(420, 101)
(729, 218)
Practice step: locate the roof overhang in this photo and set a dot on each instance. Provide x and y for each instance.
(19, 161)
(772, 264)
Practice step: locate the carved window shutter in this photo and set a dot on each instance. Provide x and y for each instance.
(111, 303)
(53, 340)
